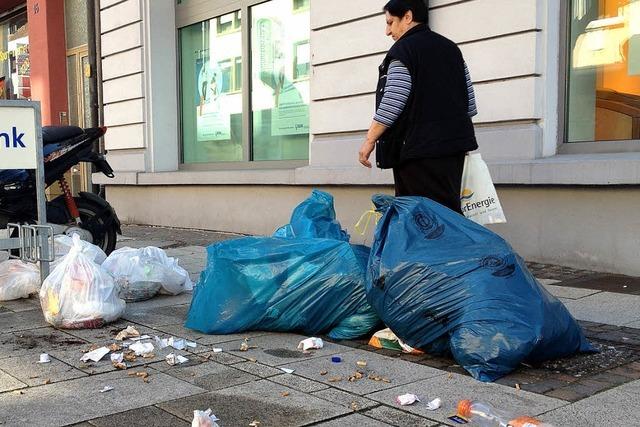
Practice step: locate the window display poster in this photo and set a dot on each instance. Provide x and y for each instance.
(213, 122)
(291, 115)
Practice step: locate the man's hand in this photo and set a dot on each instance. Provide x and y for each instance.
(364, 153)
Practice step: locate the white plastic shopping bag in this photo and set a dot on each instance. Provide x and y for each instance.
(79, 294)
(478, 196)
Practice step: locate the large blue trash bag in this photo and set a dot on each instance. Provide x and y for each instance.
(274, 284)
(444, 283)
(314, 217)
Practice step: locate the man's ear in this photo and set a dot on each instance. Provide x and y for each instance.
(408, 17)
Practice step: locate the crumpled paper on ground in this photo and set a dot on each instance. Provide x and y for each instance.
(95, 355)
(407, 399)
(129, 332)
(204, 419)
(310, 343)
(173, 359)
(141, 349)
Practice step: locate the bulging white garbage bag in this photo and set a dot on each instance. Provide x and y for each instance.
(18, 279)
(79, 293)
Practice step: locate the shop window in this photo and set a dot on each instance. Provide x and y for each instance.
(15, 64)
(215, 128)
(603, 90)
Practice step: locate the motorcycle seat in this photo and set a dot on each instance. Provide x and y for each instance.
(53, 134)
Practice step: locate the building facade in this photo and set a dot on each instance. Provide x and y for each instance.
(223, 114)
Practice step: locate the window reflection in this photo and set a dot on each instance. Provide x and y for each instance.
(15, 65)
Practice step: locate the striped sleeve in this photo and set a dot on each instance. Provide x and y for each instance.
(473, 109)
(396, 93)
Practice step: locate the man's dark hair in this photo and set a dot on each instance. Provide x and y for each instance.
(399, 7)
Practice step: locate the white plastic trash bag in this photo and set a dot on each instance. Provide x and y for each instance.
(18, 280)
(79, 293)
(141, 273)
(63, 244)
(478, 196)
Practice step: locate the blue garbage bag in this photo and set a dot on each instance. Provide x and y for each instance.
(444, 283)
(314, 217)
(273, 284)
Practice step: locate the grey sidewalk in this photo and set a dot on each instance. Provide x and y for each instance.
(242, 387)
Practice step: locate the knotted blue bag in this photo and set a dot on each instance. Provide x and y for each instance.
(444, 283)
(308, 279)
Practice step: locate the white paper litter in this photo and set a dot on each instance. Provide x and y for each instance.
(106, 389)
(144, 337)
(173, 359)
(191, 344)
(309, 343)
(434, 404)
(117, 357)
(129, 332)
(287, 370)
(44, 358)
(177, 343)
(407, 399)
(141, 348)
(217, 350)
(204, 419)
(95, 355)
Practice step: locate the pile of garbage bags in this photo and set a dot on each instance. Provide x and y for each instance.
(306, 278)
(443, 283)
(87, 289)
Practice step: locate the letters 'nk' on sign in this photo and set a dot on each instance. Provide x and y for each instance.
(17, 138)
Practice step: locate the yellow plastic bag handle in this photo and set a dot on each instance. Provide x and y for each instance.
(363, 223)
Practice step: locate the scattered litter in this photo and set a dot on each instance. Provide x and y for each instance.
(378, 378)
(407, 399)
(144, 337)
(128, 332)
(625, 339)
(361, 363)
(204, 419)
(434, 404)
(356, 376)
(254, 424)
(141, 349)
(140, 374)
(336, 359)
(106, 389)
(310, 343)
(287, 370)
(323, 372)
(177, 343)
(95, 355)
(354, 406)
(44, 358)
(130, 356)
(173, 359)
(284, 394)
(191, 344)
(47, 381)
(114, 347)
(117, 357)
(245, 345)
(251, 359)
(517, 386)
(387, 339)
(335, 379)
(217, 350)
(119, 365)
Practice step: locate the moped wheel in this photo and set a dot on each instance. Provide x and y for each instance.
(95, 220)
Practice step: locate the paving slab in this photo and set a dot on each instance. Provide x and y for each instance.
(179, 330)
(398, 418)
(258, 369)
(144, 243)
(80, 399)
(149, 416)
(35, 341)
(29, 371)
(8, 383)
(260, 401)
(545, 282)
(23, 304)
(453, 388)
(606, 307)
(353, 420)
(22, 321)
(276, 349)
(156, 316)
(615, 407)
(222, 358)
(210, 375)
(299, 383)
(348, 400)
(397, 372)
(569, 292)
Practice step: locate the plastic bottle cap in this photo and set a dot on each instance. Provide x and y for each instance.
(336, 359)
(464, 408)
